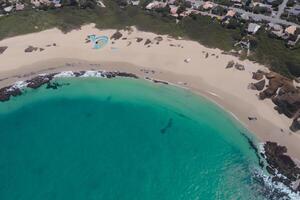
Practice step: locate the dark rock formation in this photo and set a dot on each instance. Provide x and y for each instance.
(252, 118)
(280, 163)
(7, 92)
(139, 39)
(117, 35)
(30, 49)
(259, 85)
(167, 126)
(258, 75)
(2, 49)
(124, 74)
(275, 82)
(159, 81)
(158, 39)
(239, 66)
(295, 126)
(148, 41)
(55, 85)
(80, 73)
(38, 81)
(285, 96)
(287, 102)
(230, 64)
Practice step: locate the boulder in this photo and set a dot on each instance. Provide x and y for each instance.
(259, 85)
(239, 66)
(295, 126)
(117, 35)
(278, 161)
(257, 75)
(275, 82)
(158, 39)
(139, 39)
(230, 64)
(38, 81)
(7, 92)
(2, 49)
(148, 41)
(30, 49)
(287, 102)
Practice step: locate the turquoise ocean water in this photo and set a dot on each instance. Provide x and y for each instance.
(95, 139)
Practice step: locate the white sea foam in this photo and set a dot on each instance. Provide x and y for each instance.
(92, 74)
(261, 147)
(18, 85)
(64, 74)
(278, 186)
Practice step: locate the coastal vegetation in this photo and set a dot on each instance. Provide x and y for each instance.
(209, 32)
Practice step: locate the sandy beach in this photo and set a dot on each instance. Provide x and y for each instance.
(182, 62)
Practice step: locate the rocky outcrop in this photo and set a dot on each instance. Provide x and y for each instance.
(258, 85)
(280, 164)
(30, 49)
(148, 41)
(295, 126)
(239, 66)
(38, 81)
(117, 35)
(7, 92)
(139, 39)
(230, 64)
(258, 75)
(158, 39)
(276, 81)
(287, 102)
(2, 49)
(284, 95)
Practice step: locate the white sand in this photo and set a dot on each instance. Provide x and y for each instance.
(208, 76)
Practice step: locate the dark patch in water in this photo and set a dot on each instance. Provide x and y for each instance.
(254, 148)
(184, 116)
(55, 85)
(168, 126)
(109, 98)
(88, 115)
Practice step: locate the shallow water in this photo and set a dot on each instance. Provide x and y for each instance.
(122, 139)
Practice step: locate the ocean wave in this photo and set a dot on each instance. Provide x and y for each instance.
(272, 189)
(93, 74)
(18, 85)
(64, 74)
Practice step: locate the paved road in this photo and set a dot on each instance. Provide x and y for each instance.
(281, 8)
(274, 20)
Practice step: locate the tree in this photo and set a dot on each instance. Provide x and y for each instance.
(122, 3)
(164, 11)
(180, 9)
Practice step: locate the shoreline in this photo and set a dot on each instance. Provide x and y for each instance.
(181, 62)
(269, 154)
(222, 100)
